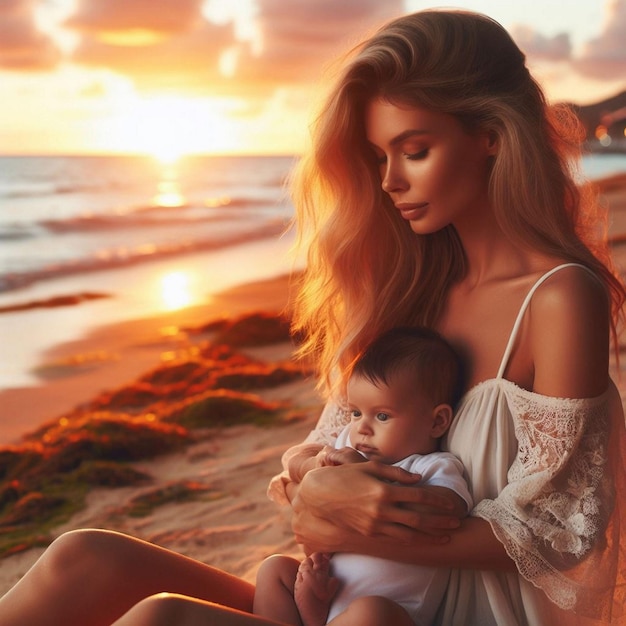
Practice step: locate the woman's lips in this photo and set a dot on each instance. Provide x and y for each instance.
(411, 211)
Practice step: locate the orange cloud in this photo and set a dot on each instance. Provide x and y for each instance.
(22, 45)
(171, 44)
(183, 61)
(166, 16)
(164, 44)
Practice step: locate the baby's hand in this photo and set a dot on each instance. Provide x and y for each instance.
(343, 456)
(322, 457)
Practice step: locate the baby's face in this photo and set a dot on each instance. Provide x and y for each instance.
(390, 422)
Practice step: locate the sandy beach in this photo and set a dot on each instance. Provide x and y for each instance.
(204, 493)
(210, 493)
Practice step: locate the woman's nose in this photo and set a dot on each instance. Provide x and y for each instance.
(392, 180)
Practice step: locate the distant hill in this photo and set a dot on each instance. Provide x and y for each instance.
(605, 122)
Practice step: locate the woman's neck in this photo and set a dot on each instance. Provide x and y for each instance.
(492, 255)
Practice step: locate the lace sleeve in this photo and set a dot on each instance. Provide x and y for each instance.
(330, 424)
(557, 515)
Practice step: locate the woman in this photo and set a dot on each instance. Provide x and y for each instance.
(437, 192)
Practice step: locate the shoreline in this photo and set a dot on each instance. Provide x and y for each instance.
(151, 288)
(110, 355)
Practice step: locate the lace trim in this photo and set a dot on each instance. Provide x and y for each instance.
(331, 423)
(558, 498)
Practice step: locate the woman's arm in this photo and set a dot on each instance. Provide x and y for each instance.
(351, 509)
(569, 336)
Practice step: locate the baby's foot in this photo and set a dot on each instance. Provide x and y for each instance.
(314, 589)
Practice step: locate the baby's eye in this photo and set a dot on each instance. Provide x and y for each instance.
(382, 417)
(355, 414)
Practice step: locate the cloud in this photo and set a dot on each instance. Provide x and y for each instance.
(182, 62)
(159, 44)
(160, 16)
(172, 44)
(22, 45)
(605, 56)
(299, 38)
(534, 44)
(602, 58)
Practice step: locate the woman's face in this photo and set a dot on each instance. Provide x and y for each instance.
(435, 172)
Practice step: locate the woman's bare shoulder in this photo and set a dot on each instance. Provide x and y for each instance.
(569, 324)
(571, 282)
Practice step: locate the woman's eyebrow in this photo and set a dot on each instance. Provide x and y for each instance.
(411, 132)
(403, 136)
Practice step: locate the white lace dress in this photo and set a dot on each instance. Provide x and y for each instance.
(547, 474)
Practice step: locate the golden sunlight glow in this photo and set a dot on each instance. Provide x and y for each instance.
(175, 291)
(169, 195)
(169, 127)
(86, 76)
(131, 37)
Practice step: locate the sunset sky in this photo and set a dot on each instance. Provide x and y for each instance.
(171, 77)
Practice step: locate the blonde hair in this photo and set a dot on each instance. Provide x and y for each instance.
(366, 270)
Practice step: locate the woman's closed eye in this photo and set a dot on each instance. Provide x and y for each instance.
(416, 156)
(411, 156)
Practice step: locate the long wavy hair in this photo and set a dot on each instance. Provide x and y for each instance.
(366, 270)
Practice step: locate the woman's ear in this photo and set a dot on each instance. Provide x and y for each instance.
(442, 418)
(493, 144)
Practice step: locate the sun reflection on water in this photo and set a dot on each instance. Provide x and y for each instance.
(175, 291)
(169, 193)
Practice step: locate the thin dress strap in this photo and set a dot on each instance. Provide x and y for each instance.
(522, 311)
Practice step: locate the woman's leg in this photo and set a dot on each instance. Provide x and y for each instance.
(93, 577)
(166, 609)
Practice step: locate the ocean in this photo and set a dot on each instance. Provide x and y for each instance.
(149, 236)
(152, 237)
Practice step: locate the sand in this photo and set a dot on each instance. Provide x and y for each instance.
(235, 526)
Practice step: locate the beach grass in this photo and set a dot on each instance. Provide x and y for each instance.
(208, 386)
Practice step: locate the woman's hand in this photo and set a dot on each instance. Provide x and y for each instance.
(334, 502)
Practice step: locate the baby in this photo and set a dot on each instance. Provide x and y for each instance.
(401, 397)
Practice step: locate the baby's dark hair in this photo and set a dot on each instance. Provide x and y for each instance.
(437, 368)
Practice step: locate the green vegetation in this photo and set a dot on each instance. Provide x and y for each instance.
(44, 481)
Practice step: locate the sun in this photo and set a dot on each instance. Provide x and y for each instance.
(169, 127)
